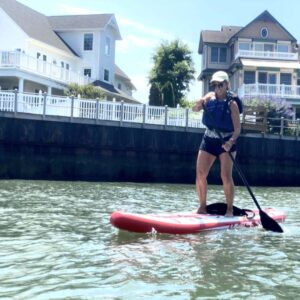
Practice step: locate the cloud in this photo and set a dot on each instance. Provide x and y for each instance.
(142, 88)
(151, 31)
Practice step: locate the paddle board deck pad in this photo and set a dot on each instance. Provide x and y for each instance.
(185, 223)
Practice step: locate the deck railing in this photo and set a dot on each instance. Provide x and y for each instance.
(267, 54)
(87, 109)
(278, 90)
(22, 61)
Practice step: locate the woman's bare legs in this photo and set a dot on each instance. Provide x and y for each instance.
(204, 163)
(228, 184)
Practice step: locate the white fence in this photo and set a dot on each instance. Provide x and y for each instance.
(45, 105)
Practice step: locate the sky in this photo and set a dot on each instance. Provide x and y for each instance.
(145, 24)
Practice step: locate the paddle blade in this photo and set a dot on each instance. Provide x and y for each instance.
(268, 223)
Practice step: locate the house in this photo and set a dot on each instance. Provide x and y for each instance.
(261, 58)
(47, 53)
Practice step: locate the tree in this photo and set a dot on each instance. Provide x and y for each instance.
(168, 95)
(155, 97)
(87, 91)
(173, 67)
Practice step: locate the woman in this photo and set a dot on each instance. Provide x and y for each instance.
(223, 115)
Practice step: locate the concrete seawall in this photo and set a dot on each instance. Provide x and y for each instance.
(40, 149)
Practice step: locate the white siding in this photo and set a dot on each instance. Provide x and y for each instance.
(12, 37)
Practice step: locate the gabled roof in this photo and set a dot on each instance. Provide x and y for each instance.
(217, 37)
(84, 22)
(120, 73)
(33, 23)
(228, 33)
(266, 16)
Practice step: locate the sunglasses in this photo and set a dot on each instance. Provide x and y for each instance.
(218, 85)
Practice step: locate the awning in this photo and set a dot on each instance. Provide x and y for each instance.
(270, 64)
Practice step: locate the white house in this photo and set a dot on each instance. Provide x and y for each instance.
(47, 53)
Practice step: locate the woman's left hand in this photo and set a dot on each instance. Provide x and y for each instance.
(227, 146)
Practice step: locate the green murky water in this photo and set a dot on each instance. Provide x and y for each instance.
(56, 242)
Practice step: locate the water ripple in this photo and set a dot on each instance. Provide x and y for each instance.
(57, 243)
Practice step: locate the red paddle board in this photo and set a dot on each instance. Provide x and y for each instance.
(185, 223)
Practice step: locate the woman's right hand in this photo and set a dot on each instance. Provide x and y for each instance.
(203, 101)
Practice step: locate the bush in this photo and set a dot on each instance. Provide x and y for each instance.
(276, 107)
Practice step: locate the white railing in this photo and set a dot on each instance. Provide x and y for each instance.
(77, 108)
(267, 54)
(46, 105)
(277, 90)
(17, 59)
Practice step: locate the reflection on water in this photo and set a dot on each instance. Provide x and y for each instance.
(57, 243)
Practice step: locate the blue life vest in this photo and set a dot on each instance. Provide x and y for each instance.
(220, 113)
(219, 116)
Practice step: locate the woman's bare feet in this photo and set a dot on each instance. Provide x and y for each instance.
(229, 212)
(202, 210)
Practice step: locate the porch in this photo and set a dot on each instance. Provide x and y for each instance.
(20, 61)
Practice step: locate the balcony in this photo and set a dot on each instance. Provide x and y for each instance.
(275, 90)
(267, 55)
(21, 61)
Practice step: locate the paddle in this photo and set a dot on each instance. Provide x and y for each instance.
(267, 222)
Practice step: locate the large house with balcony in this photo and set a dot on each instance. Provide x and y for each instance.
(261, 58)
(46, 53)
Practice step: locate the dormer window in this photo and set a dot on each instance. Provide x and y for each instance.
(264, 32)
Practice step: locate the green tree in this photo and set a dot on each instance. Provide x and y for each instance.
(173, 67)
(155, 97)
(168, 95)
(87, 91)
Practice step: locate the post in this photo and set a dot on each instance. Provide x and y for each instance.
(297, 128)
(97, 109)
(16, 102)
(166, 116)
(281, 125)
(186, 118)
(121, 113)
(44, 105)
(144, 114)
(72, 107)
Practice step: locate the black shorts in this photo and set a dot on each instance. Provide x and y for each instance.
(214, 145)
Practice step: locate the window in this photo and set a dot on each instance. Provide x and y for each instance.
(107, 45)
(218, 54)
(119, 86)
(249, 77)
(269, 47)
(286, 78)
(106, 75)
(44, 58)
(87, 72)
(262, 77)
(67, 66)
(88, 41)
(264, 32)
(282, 48)
(38, 55)
(62, 64)
(244, 46)
(258, 47)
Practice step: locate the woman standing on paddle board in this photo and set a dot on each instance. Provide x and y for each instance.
(221, 114)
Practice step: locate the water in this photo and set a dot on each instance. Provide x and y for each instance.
(56, 242)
